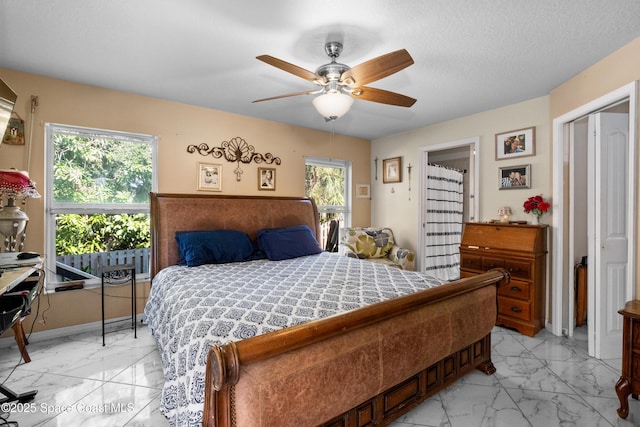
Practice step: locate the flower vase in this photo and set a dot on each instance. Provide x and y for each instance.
(535, 219)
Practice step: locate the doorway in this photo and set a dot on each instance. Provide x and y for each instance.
(594, 199)
(462, 155)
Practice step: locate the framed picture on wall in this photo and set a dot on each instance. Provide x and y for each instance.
(363, 191)
(392, 170)
(267, 179)
(209, 177)
(516, 143)
(14, 134)
(514, 177)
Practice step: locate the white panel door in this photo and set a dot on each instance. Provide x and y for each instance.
(609, 217)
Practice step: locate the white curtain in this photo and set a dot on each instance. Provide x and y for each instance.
(443, 222)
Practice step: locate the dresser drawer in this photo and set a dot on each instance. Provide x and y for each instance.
(519, 269)
(488, 263)
(506, 237)
(513, 307)
(515, 289)
(472, 262)
(635, 333)
(635, 367)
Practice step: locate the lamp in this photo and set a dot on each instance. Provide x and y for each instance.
(332, 105)
(504, 212)
(13, 221)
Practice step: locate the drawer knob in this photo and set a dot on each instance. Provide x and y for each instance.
(515, 289)
(516, 309)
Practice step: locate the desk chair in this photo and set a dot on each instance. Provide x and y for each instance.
(27, 291)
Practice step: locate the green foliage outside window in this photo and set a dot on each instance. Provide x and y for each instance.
(100, 172)
(326, 186)
(84, 234)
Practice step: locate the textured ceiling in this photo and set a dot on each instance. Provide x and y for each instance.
(469, 56)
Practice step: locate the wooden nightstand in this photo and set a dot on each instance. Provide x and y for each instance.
(629, 382)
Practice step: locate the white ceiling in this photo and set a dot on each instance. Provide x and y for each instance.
(470, 56)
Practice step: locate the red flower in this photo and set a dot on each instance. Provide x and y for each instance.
(536, 205)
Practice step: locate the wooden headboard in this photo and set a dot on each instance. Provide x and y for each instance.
(185, 212)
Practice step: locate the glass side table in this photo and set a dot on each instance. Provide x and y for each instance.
(119, 274)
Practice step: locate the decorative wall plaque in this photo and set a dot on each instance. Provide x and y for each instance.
(235, 150)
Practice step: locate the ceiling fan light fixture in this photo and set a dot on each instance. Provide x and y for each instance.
(332, 106)
(340, 84)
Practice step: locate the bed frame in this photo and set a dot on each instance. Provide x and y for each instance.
(362, 368)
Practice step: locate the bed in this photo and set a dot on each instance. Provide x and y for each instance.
(335, 361)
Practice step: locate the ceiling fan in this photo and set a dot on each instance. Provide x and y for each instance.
(340, 84)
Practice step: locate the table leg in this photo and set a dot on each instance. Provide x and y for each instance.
(623, 390)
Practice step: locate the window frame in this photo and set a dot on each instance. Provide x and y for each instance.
(347, 210)
(53, 208)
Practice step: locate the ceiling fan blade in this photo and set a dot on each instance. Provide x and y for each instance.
(306, 92)
(290, 68)
(382, 96)
(377, 68)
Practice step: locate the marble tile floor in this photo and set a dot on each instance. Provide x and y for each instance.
(543, 381)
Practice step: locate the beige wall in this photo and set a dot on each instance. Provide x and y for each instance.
(612, 72)
(177, 126)
(395, 210)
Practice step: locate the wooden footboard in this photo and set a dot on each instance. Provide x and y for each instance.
(365, 367)
(400, 399)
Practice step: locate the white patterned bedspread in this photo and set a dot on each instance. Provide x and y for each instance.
(191, 308)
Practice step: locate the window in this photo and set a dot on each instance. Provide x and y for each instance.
(328, 182)
(97, 201)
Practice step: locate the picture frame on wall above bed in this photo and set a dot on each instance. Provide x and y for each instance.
(514, 177)
(209, 177)
(267, 179)
(516, 143)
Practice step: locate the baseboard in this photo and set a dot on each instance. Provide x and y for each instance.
(62, 332)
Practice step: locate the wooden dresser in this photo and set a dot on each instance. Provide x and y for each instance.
(629, 382)
(522, 250)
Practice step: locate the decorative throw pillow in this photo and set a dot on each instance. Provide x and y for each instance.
(369, 242)
(289, 242)
(213, 246)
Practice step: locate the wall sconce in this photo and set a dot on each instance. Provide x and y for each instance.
(505, 213)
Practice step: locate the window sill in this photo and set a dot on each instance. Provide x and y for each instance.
(90, 285)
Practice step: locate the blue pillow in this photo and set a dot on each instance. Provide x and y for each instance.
(289, 242)
(214, 246)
